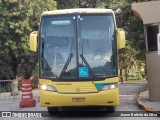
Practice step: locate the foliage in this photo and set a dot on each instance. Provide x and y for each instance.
(18, 18)
(5, 88)
(134, 30)
(134, 54)
(64, 4)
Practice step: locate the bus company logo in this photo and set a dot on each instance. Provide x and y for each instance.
(63, 84)
(77, 89)
(6, 114)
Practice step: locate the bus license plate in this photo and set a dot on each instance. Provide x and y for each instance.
(78, 99)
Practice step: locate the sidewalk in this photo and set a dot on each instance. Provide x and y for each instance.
(7, 95)
(143, 101)
(11, 103)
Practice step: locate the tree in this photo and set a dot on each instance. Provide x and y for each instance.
(134, 32)
(63, 4)
(18, 18)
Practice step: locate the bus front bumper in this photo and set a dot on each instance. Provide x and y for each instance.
(102, 98)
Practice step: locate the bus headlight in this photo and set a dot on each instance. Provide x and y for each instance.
(43, 87)
(48, 88)
(109, 87)
(51, 88)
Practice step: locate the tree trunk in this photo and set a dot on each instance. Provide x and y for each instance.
(126, 74)
(13, 62)
(121, 76)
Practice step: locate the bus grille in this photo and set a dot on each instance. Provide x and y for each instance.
(77, 89)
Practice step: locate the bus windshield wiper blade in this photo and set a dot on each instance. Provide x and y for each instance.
(85, 61)
(66, 65)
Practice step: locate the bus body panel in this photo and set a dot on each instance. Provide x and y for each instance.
(67, 91)
(81, 38)
(103, 98)
(78, 10)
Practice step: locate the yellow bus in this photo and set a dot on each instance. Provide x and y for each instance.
(78, 58)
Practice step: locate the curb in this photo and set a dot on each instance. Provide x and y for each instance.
(144, 106)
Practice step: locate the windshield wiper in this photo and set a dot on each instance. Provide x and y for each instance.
(42, 56)
(85, 61)
(66, 65)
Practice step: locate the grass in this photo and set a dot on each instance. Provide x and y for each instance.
(135, 79)
(6, 88)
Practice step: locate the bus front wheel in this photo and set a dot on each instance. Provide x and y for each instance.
(52, 110)
(111, 109)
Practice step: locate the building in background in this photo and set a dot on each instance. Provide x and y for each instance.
(150, 15)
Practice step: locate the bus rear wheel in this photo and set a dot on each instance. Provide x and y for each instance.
(52, 110)
(110, 109)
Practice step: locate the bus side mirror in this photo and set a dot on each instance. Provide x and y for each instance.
(121, 38)
(33, 41)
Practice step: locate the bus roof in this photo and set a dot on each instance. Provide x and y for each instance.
(78, 10)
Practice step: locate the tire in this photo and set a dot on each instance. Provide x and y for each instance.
(110, 109)
(52, 110)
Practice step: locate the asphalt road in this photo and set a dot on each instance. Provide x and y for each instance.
(128, 104)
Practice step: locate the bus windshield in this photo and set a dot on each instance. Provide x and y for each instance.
(78, 47)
